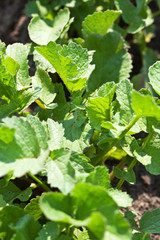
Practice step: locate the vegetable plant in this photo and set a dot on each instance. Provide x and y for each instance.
(80, 109)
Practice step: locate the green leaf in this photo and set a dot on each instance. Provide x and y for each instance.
(150, 221)
(100, 177)
(25, 152)
(9, 215)
(132, 148)
(19, 53)
(130, 215)
(24, 98)
(41, 62)
(71, 62)
(56, 135)
(49, 231)
(113, 62)
(152, 150)
(129, 175)
(99, 22)
(43, 81)
(26, 228)
(65, 169)
(53, 209)
(154, 76)
(144, 105)
(2, 47)
(139, 17)
(98, 108)
(35, 7)
(7, 81)
(97, 225)
(42, 31)
(10, 192)
(81, 208)
(33, 209)
(121, 198)
(124, 97)
(117, 172)
(2, 202)
(11, 65)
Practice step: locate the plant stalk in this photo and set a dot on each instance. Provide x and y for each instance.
(133, 163)
(131, 166)
(42, 184)
(101, 157)
(120, 165)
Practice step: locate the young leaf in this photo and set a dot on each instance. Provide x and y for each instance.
(42, 31)
(99, 22)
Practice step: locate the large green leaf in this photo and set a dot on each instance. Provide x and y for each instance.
(42, 31)
(27, 150)
(71, 62)
(89, 206)
(99, 22)
(113, 62)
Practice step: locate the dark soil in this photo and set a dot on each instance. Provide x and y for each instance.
(13, 28)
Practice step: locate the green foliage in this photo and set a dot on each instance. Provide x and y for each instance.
(86, 113)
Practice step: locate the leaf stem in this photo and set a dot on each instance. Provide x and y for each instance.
(40, 104)
(120, 165)
(155, 14)
(42, 184)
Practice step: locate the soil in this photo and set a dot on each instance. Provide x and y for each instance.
(13, 28)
